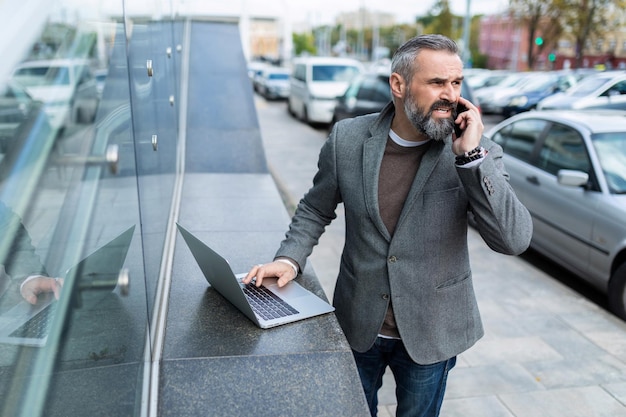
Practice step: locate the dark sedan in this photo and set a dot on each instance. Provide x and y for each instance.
(569, 169)
(369, 93)
(537, 88)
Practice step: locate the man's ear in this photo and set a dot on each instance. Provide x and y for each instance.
(397, 85)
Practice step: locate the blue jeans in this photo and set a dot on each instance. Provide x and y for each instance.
(419, 388)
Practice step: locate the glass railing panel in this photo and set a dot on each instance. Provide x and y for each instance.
(154, 57)
(69, 206)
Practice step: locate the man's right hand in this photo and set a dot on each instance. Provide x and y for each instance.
(38, 284)
(281, 270)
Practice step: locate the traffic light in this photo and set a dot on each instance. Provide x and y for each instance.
(539, 40)
(552, 57)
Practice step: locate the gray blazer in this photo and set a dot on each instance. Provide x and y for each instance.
(424, 270)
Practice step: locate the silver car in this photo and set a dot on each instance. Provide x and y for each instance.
(569, 168)
(273, 83)
(604, 90)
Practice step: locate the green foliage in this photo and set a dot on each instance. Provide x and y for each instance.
(440, 19)
(479, 60)
(443, 22)
(303, 43)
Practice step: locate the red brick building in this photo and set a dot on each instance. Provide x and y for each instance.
(506, 44)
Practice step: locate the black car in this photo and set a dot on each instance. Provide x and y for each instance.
(369, 93)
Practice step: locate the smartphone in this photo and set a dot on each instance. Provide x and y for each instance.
(460, 108)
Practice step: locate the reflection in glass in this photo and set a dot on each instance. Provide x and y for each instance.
(63, 107)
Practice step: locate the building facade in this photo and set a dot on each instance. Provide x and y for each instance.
(506, 44)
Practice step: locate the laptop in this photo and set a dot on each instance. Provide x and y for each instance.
(27, 324)
(273, 307)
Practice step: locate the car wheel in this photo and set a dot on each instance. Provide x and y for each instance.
(289, 109)
(617, 292)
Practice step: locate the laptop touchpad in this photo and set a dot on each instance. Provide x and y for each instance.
(290, 290)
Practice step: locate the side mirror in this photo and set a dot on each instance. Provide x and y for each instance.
(572, 178)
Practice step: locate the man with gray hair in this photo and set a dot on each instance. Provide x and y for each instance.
(404, 295)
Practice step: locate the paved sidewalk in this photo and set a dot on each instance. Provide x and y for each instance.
(547, 351)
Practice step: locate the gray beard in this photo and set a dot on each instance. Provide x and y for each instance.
(435, 129)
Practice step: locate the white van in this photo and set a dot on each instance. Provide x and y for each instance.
(316, 82)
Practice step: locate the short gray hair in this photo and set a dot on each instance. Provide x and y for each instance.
(403, 61)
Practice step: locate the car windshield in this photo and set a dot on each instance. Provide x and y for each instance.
(334, 72)
(42, 76)
(539, 83)
(587, 86)
(515, 80)
(611, 150)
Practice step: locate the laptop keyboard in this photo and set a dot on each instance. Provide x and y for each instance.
(266, 304)
(37, 326)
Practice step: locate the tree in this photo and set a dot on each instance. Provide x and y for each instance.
(441, 20)
(478, 60)
(586, 20)
(303, 43)
(541, 18)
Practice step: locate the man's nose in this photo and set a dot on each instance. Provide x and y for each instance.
(450, 93)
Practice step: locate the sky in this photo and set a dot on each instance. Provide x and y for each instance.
(324, 11)
(313, 12)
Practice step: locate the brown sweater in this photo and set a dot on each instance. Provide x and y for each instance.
(397, 172)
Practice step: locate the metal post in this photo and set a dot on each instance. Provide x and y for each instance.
(466, 29)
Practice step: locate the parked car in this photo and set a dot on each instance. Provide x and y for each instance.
(370, 92)
(540, 86)
(569, 169)
(67, 87)
(101, 78)
(604, 90)
(274, 83)
(254, 71)
(367, 93)
(490, 97)
(16, 107)
(315, 84)
(483, 79)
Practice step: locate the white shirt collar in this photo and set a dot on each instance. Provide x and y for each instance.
(403, 142)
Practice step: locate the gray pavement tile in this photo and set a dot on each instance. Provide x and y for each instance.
(612, 342)
(489, 406)
(567, 302)
(579, 402)
(387, 411)
(617, 390)
(596, 321)
(387, 394)
(573, 345)
(536, 325)
(513, 350)
(580, 372)
(504, 378)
